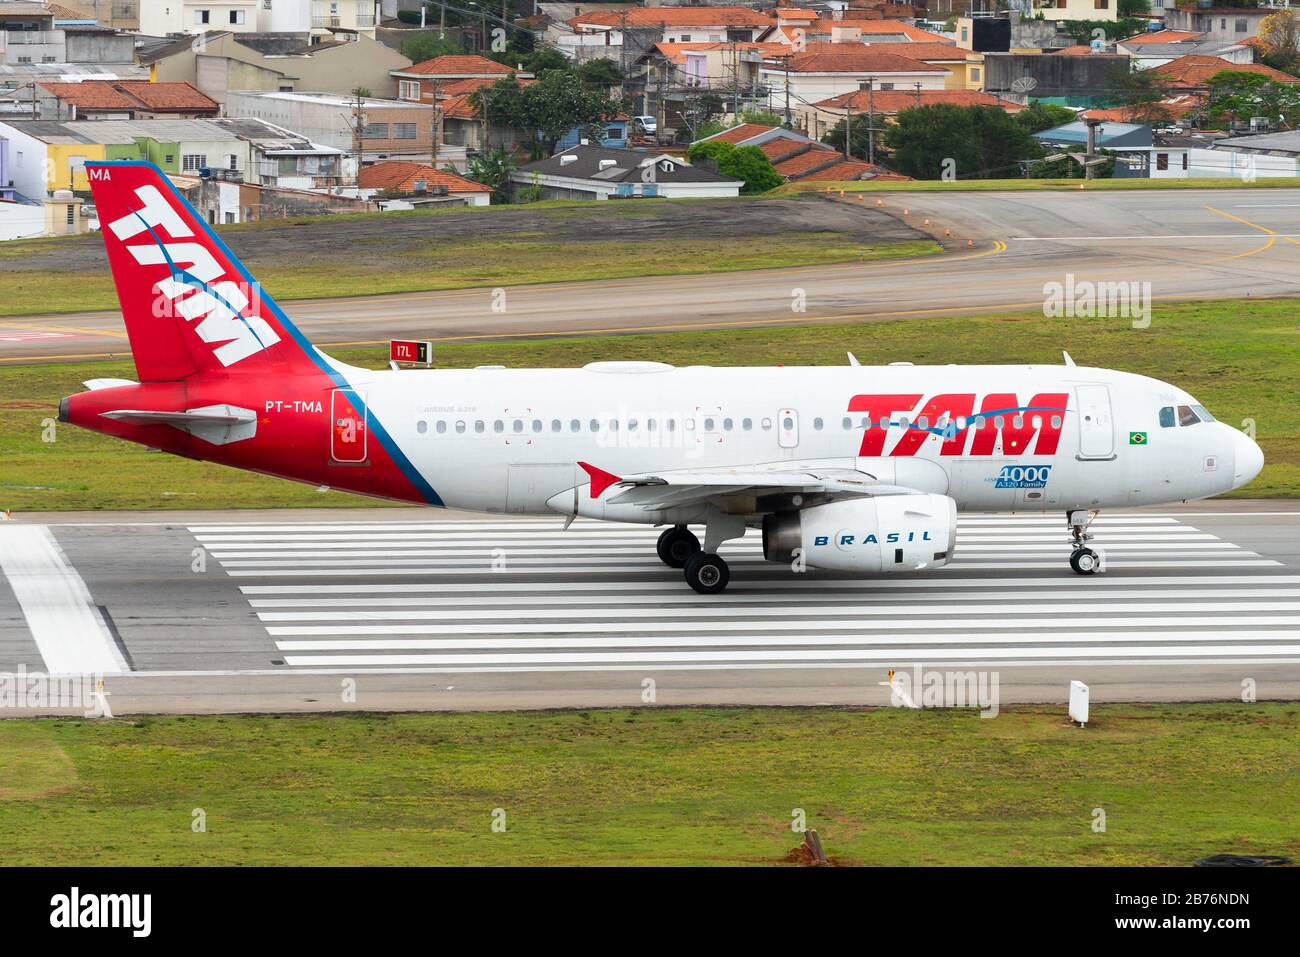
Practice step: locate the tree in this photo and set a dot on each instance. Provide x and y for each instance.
(761, 118)
(493, 169)
(548, 109)
(1139, 93)
(426, 46)
(602, 73)
(1280, 35)
(973, 142)
(1133, 8)
(746, 163)
(861, 137)
(1237, 95)
(1039, 116)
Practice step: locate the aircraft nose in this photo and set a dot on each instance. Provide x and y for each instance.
(1249, 459)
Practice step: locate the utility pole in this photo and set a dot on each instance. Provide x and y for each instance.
(1088, 168)
(788, 119)
(848, 127)
(358, 122)
(735, 79)
(871, 121)
(437, 123)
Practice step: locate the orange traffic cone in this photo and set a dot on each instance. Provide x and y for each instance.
(970, 243)
(879, 201)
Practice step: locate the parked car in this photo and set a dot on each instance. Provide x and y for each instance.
(648, 124)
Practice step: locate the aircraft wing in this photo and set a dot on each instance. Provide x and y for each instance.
(689, 486)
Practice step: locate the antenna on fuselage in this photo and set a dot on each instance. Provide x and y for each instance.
(853, 360)
(1068, 360)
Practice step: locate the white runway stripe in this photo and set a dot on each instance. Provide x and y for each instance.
(657, 568)
(888, 655)
(736, 587)
(711, 641)
(908, 624)
(760, 603)
(696, 612)
(523, 595)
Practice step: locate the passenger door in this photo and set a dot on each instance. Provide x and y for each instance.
(1096, 424)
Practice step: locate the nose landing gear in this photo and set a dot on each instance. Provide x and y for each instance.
(1083, 559)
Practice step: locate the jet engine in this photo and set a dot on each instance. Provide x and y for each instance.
(888, 533)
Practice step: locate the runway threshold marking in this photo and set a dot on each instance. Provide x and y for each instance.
(557, 614)
(65, 623)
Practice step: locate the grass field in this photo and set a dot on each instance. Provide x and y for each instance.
(509, 261)
(1176, 782)
(1240, 358)
(990, 185)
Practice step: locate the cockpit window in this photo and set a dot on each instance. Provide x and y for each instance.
(1203, 414)
(1167, 417)
(1186, 416)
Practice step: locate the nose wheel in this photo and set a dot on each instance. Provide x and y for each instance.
(1083, 559)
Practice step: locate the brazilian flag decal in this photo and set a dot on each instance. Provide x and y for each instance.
(1137, 438)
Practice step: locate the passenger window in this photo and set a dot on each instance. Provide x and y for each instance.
(671, 425)
(478, 425)
(1186, 416)
(631, 425)
(847, 422)
(1056, 421)
(556, 425)
(519, 425)
(498, 426)
(422, 426)
(747, 424)
(999, 422)
(537, 425)
(923, 422)
(708, 425)
(817, 424)
(727, 424)
(440, 427)
(595, 425)
(460, 426)
(651, 425)
(613, 425)
(767, 423)
(1167, 417)
(575, 426)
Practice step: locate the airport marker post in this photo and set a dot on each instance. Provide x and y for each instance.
(410, 352)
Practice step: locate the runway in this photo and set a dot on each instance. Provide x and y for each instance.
(1187, 243)
(430, 609)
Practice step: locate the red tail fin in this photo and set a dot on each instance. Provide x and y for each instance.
(189, 304)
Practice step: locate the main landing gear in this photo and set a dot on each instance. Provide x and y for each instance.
(704, 568)
(1083, 559)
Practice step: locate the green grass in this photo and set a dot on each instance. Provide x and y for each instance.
(977, 185)
(508, 260)
(1238, 357)
(648, 786)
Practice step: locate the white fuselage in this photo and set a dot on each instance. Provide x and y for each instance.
(509, 440)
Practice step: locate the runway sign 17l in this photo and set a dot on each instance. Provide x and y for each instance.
(410, 350)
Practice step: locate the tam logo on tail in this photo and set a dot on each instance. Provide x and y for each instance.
(196, 287)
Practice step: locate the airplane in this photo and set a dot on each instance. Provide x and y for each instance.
(854, 469)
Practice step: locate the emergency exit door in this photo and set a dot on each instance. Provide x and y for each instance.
(348, 426)
(787, 428)
(1096, 424)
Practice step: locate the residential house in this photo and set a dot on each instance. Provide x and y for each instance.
(48, 155)
(123, 100)
(1147, 55)
(719, 66)
(848, 30)
(616, 133)
(596, 172)
(370, 127)
(801, 158)
(1194, 72)
(160, 18)
(964, 66)
(419, 184)
(810, 77)
(453, 75)
(223, 201)
(284, 159)
(32, 33)
(820, 118)
(625, 35)
(218, 62)
(1226, 24)
(113, 14)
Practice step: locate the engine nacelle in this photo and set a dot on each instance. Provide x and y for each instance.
(889, 533)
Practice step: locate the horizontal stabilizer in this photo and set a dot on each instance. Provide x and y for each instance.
(96, 384)
(218, 424)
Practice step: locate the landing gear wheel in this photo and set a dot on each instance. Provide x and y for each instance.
(676, 545)
(1084, 561)
(707, 574)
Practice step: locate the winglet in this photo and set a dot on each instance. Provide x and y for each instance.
(600, 479)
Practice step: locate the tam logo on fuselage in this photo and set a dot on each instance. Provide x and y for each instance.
(197, 286)
(1022, 476)
(1000, 426)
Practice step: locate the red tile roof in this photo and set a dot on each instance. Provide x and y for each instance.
(674, 17)
(745, 131)
(920, 50)
(782, 148)
(458, 65)
(884, 26)
(848, 169)
(1193, 70)
(1079, 49)
(175, 97)
(400, 176)
(894, 101)
(798, 167)
(858, 61)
